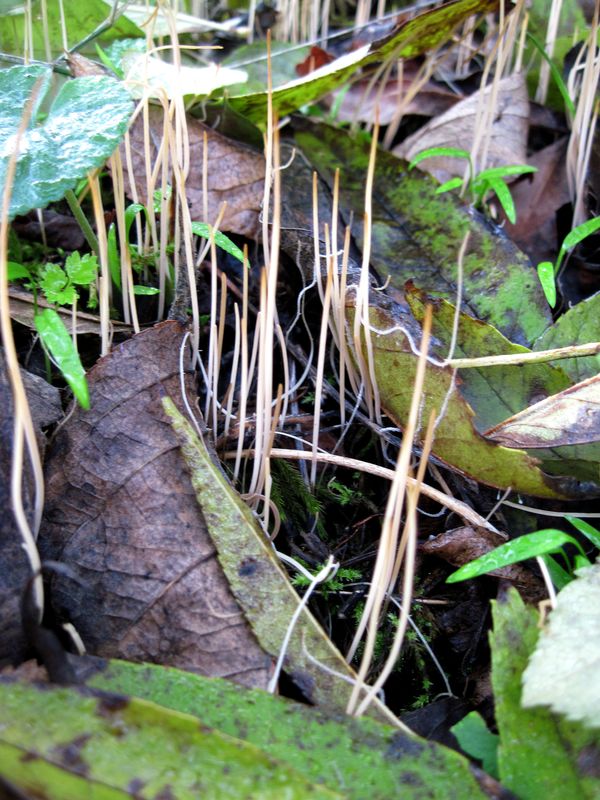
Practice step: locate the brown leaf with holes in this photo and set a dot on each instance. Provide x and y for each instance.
(122, 515)
(461, 545)
(456, 128)
(569, 417)
(235, 173)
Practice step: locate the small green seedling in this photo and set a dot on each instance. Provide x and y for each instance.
(489, 180)
(532, 545)
(59, 286)
(548, 272)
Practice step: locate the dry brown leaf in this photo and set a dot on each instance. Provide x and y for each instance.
(456, 128)
(361, 104)
(570, 417)
(122, 514)
(537, 198)
(235, 173)
(461, 545)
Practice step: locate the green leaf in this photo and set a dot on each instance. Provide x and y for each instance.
(588, 530)
(82, 270)
(16, 271)
(85, 123)
(576, 236)
(79, 20)
(475, 738)
(222, 241)
(145, 290)
(57, 340)
(545, 271)
(539, 756)
(528, 546)
(578, 325)
(559, 576)
(64, 743)
(373, 761)
(505, 171)
(453, 183)
(55, 285)
(504, 197)
(114, 261)
(432, 152)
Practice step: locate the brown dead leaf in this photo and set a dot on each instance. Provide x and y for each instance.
(45, 407)
(537, 198)
(361, 103)
(461, 545)
(570, 417)
(122, 514)
(456, 128)
(235, 173)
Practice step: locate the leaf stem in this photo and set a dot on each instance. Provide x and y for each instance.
(85, 226)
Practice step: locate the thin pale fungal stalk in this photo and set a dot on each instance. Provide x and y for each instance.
(389, 533)
(104, 279)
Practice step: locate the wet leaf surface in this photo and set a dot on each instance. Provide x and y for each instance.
(416, 235)
(235, 174)
(121, 513)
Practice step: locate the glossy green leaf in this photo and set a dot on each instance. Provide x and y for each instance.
(545, 271)
(476, 739)
(528, 546)
(453, 183)
(57, 340)
(540, 757)
(417, 234)
(145, 291)
(66, 744)
(504, 196)
(414, 37)
(84, 124)
(372, 761)
(79, 19)
(505, 171)
(577, 235)
(558, 575)
(588, 530)
(432, 152)
(82, 270)
(578, 325)
(221, 240)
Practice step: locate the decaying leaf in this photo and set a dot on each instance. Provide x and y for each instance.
(261, 586)
(235, 173)
(578, 325)
(373, 761)
(60, 743)
(539, 755)
(462, 545)
(568, 653)
(457, 127)
(121, 513)
(416, 235)
(408, 39)
(571, 417)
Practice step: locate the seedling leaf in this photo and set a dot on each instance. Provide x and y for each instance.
(545, 271)
(145, 290)
(433, 152)
(222, 241)
(453, 183)
(528, 546)
(57, 340)
(588, 530)
(82, 270)
(478, 741)
(55, 285)
(504, 198)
